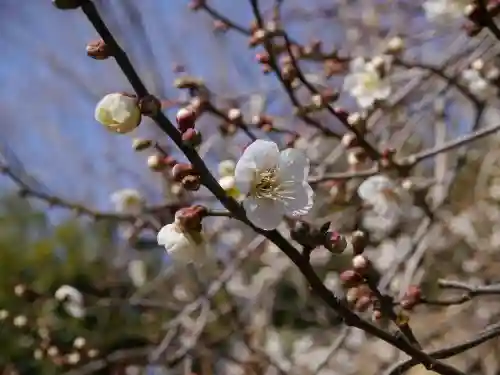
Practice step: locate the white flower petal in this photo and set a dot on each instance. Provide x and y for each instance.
(302, 200)
(260, 155)
(293, 165)
(357, 65)
(366, 101)
(264, 213)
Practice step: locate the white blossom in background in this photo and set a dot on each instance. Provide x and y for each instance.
(72, 300)
(275, 349)
(445, 11)
(274, 183)
(227, 180)
(477, 84)
(137, 272)
(388, 201)
(118, 113)
(365, 81)
(183, 245)
(128, 201)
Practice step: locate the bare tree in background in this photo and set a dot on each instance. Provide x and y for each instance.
(342, 220)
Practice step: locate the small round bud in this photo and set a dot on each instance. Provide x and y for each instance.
(350, 278)
(141, 144)
(191, 182)
(118, 112)
(92, 353)
(20, 321)
(73, 358)
(181, 170)
(395, 45)
(234, 115)
(190, 218)
(478, 64)
(19, 290)
(79, 342)
(98, 50)
(262, 58)
(196, 4)
(191, 137)
(52, 351)
(335, 242)
(358, 242)
(360, 263)
(186, 118)
(4, 314)
(155, 163)
(67, 4)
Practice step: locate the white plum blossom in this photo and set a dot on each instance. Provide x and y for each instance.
(72, 300)
(274, 183)
(128, 201)
(365, 81)
(445, 11)
(183, 245)
(388, 201)
(137, 272)
(478, 84)
(118, 113)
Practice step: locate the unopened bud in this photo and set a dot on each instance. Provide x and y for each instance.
(98, 50)
(478, 65)
(181, 170)
(155, 163)
(234, 115)
(350, 278)
(192, 137)
(190, 217)
(360, 263)
(335, 242)
(191, 182)
(141, 144)
(358, 242)
(186, 118)
(395, 45)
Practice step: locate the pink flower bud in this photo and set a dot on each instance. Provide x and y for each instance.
(186, 118)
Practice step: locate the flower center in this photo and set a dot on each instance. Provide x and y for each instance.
(266, 184)
(370, 81)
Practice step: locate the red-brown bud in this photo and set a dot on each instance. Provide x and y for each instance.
(191, 182)
(186, 118)
(350, 278)
(98, 50)
(191, 137)
(181, 170)
(190, 217)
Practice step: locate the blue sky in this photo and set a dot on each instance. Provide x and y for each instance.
(50, 87)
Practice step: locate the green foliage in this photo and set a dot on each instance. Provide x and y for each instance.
(36, 258)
